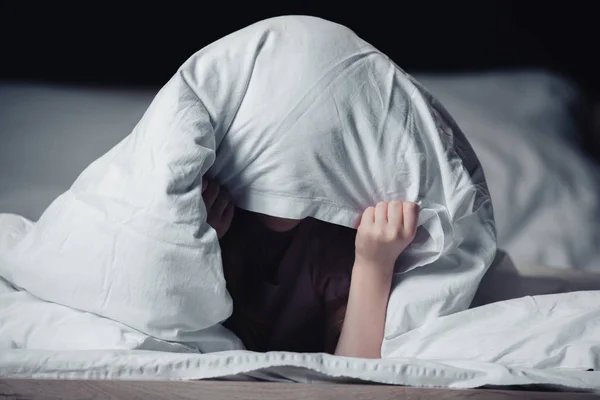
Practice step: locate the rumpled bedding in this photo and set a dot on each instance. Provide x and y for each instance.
(296, 117)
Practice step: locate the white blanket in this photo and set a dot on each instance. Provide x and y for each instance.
(546, 192)
(243, 108)
(296, 117)
(548, 339)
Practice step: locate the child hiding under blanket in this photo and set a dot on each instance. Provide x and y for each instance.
(307, 285)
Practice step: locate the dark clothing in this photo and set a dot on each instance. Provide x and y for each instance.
(284, 285)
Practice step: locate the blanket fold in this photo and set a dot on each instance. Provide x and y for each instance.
(296, 117)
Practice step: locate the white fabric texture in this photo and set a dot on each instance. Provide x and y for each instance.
(547, 340)
(545, 190)
(40, 127)
(296, 117)
(278, 366)
(533, 112)
(27, 322)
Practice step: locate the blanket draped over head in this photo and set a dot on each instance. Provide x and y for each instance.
(296, 117)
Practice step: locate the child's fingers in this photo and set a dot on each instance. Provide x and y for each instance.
(411, 218)
(368, 217)
(381, 211)
(395, 217)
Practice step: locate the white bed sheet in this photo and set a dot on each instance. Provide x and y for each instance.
(283, 367)
(546, 217)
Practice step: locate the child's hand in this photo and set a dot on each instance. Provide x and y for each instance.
(384, 232)
(219, 207)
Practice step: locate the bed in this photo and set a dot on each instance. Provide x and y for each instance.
(545, 191)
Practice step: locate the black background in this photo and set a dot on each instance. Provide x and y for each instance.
(143, 44)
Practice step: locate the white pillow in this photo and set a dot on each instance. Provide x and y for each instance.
(545, 191)
(296, 117)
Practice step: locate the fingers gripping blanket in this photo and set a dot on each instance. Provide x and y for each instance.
(295, 117)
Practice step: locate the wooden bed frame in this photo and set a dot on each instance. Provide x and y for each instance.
(102, 389)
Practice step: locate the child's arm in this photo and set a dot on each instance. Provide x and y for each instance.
(384, 232)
